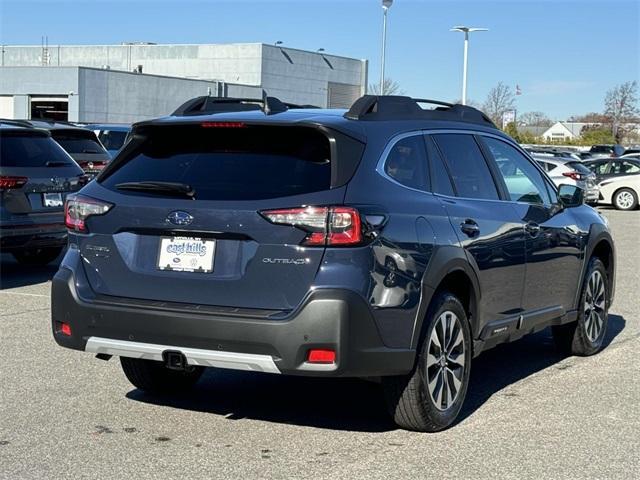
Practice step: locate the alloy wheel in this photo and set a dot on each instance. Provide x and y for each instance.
(445, 360)
(594, 306)
(624, 200)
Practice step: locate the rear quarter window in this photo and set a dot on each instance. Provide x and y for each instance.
(407, 164)
(249, 163)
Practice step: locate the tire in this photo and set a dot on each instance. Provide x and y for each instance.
(585, 336)
(153, 377)
(411, 402)
(625, 199)
(37, 256)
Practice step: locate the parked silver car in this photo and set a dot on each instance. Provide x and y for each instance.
(571, 172)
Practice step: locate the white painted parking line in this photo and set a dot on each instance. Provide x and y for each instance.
(24, 294)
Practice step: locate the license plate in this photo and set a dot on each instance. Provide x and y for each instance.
(52, 199)
(186, 254)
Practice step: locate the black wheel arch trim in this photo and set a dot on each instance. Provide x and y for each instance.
(597, 234)
(446, 260)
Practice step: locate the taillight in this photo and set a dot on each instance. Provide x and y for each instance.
(325, 225)
(9, 182)
(573, 175)
(78, 208)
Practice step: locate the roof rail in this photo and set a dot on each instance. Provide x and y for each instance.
(207, 105)
(395, 107)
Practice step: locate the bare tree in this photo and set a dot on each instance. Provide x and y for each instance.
(499, 100)
(591, 117)
(621, 105)
(535, 119)
(389, 87)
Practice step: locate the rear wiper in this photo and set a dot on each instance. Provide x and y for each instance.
(173, 188)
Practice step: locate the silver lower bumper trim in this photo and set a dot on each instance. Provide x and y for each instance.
(195, 356)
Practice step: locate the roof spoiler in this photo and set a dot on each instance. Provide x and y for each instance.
(396, 107)
(206, 105)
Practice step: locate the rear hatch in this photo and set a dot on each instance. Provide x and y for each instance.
(84, 147)
(36, 174)
(206, 241)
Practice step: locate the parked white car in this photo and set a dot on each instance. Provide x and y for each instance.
(571, 172)
(621, 192)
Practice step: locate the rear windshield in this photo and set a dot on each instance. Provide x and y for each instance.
(31, 151)
(579, 167)
(245, 163)
(601, 149)
(112, 139)
(78, 142)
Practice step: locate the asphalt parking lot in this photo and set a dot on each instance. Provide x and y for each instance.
(530, 412)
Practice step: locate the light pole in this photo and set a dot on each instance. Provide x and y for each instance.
(466, 31)
(386, 4)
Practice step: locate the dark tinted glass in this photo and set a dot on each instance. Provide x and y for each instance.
(112, 139)
(440, 181)
(598, 167)
(601, 149)
(407, 163)
(625, 168)
(31, 151)
(523, 180)
(471, 175)
(76, 143)
(248, 163)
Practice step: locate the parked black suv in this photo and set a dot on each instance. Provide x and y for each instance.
(82, 144)
(384, 241)
(36, 174)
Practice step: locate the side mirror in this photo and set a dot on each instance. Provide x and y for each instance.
(570, 195)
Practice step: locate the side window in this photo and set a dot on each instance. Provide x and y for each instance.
(440, 181)
(601, 168)
(407, 163)
(469, 170)
(523, 180)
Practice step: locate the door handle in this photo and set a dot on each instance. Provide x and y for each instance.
(470, 227)
(532, 228)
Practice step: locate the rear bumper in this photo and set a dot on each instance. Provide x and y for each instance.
(333, 319)
(21, 236)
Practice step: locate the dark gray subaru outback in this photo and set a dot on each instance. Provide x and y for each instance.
(388, 241)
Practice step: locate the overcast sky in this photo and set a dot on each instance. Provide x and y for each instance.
(564, 54)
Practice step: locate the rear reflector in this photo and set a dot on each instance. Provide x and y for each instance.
(321, 356)
(78, 208)
(331, 226)
(9, 182)
(63, 328)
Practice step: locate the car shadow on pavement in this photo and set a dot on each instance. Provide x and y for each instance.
(496, 369)
(351, 404)
(14, 275)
